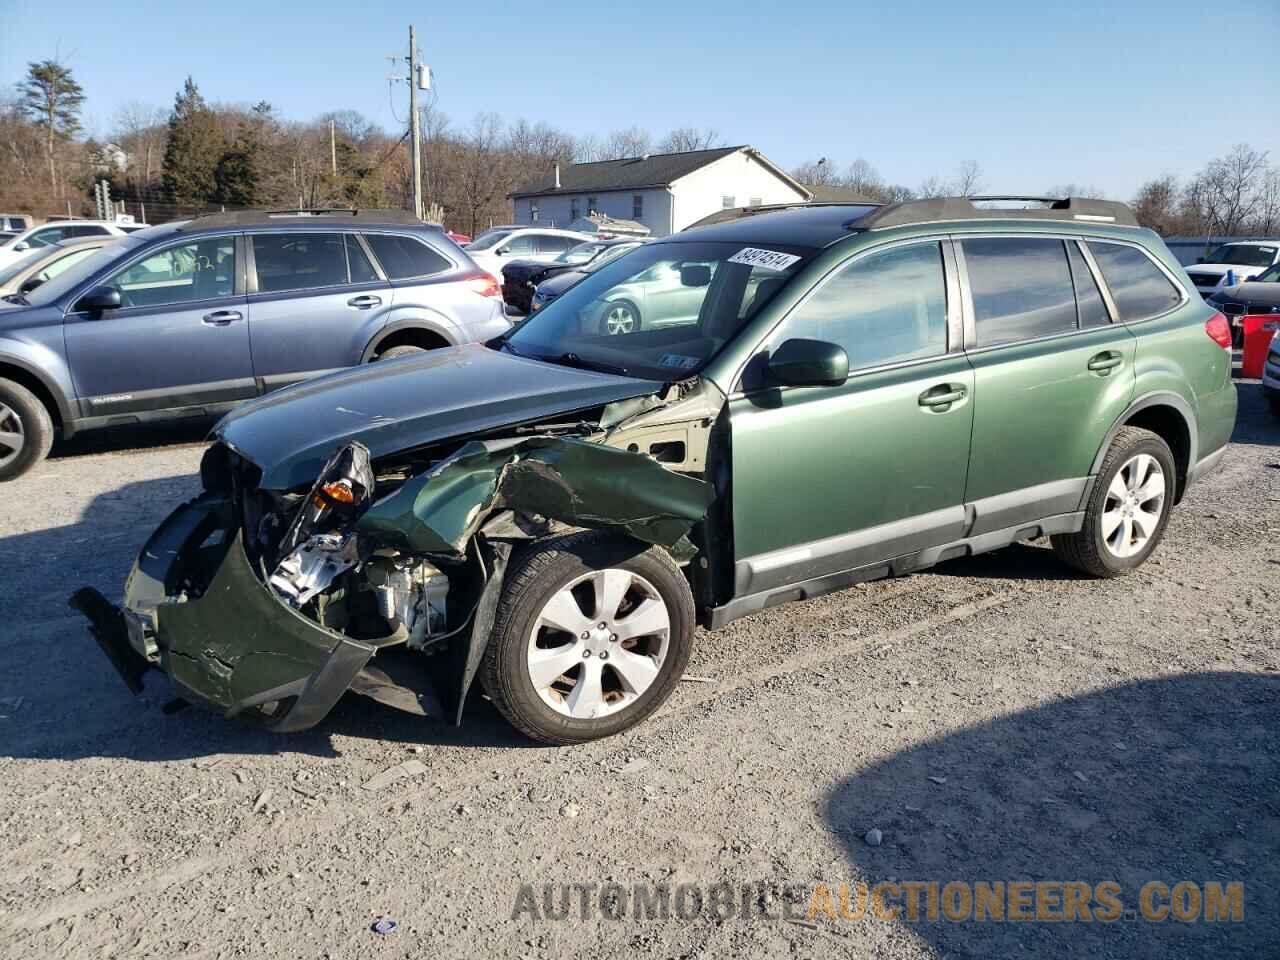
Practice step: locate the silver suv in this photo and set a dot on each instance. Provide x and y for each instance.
(190, 318)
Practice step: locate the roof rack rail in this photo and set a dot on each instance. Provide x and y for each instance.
(237, 218)
(939, 209)
(737, 213)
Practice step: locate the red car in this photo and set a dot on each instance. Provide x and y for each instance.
(458, 238)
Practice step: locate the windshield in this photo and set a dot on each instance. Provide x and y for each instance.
(75, 275)
(1242, 255)
(15, 268)
(581, 253)
(1268, 276)
(661, 311)
(489, 238)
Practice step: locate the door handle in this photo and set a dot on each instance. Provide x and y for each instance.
(1105, 362)
(220, 318)
(365, 302)
(942, 396)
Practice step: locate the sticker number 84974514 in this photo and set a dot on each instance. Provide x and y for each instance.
(766, 259)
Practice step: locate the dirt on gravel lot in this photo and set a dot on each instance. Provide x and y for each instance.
(998, 719)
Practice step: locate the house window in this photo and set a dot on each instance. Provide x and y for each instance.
(755, 201)
(726, 202)
(637, 206)
(533, 212)
(591, 205)
(573, 209)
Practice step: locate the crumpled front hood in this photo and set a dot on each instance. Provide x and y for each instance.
(394, 405)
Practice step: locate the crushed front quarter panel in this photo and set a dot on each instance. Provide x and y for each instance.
(577, 482)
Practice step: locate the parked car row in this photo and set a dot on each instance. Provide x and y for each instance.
(56, 231)
(520, 278)
(555, 510)
(193, 317)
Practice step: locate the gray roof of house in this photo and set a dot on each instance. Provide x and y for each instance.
(634, 173)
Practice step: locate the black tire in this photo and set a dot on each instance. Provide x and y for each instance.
(405, 350)
(1273, 401)
(543, 570)
(1087, 549)
(22, 414)
(627, 306)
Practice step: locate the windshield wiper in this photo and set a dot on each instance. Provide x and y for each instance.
(573, 360)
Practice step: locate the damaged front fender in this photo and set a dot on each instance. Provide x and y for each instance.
(576, 482)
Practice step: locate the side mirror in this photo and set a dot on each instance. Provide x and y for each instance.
(19, 247)
(99, 299)
(809, 363)
(502, 251)
(30, 284)
(695, 275)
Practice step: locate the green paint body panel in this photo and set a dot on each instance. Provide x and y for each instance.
(1040, 413)
(577, 482)
(815, 462)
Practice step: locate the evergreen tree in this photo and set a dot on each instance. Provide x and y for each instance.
(51, 98)
(194, 148)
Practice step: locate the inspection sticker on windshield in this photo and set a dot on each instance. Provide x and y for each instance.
(768, 259)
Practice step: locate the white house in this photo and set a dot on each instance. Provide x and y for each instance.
(665, 192)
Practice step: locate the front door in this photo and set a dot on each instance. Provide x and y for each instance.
(1052, 374)
(315, 301)
(179, 338)
(827, 479)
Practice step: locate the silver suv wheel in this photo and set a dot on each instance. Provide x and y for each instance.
(1134, 504)
(13, 436)
(598, 643)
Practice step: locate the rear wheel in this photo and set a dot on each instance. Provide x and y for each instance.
(1128, 507)
(26, 430)
(592, 634)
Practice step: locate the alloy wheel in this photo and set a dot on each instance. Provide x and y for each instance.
(12, 435)
(598, 643)
(619, 320)
(1134, 505)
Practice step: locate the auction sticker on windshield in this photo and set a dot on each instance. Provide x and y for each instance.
(768, 259)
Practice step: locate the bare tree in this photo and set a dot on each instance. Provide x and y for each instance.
(141, 131)
(1266, 211)
(933, 187)
(968, 179)
(1156, 205)
(816, 173)
(864, 179)
(687, 139)
(1227, 188)
(631, 142)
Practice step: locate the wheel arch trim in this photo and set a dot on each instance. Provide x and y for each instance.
(1156, 398)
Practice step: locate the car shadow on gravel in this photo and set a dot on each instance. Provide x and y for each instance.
(1168, 780)
(139, 437)
(1033, 560)
(1254, 421)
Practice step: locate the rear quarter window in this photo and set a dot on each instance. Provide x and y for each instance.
(404, 257)
(1139, 288)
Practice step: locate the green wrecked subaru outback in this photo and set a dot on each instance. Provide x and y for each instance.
(808, 398)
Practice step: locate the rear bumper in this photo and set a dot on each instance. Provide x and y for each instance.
(236, 648)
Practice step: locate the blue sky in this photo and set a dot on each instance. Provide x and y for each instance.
(1040, 94)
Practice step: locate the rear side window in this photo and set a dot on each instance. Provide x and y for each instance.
(299, 261)
(1089, 306)
(553, 244)
(358, 264)
(1139, 288)
(1021, 288)
(882, 308)
(403, 257)
(87, 231)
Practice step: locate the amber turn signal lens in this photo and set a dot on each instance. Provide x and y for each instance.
(339, 492)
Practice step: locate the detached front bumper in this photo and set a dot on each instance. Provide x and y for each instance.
(236, 647)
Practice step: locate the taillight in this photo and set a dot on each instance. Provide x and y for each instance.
(1219, 331)
(483, 284)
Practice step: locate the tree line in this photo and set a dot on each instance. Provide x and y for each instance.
(197, 155)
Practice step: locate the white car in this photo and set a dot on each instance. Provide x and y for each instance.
(541, 244)
(1243, 259)
(58, 230)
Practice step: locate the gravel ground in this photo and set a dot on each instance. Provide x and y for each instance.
(997, 719)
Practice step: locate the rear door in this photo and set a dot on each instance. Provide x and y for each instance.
(315, 301)
(1052, 373)
(178, 340)
(826, 479)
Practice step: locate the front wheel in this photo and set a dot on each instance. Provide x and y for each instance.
(1128, 507)
(26, 430)
(592, 634)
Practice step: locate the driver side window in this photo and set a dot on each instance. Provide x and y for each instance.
(882, 308)
(200, 270)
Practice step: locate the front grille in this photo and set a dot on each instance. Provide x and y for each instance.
(1204, 279)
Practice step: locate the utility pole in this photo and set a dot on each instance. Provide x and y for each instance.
(333, 150)
(415, 132)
